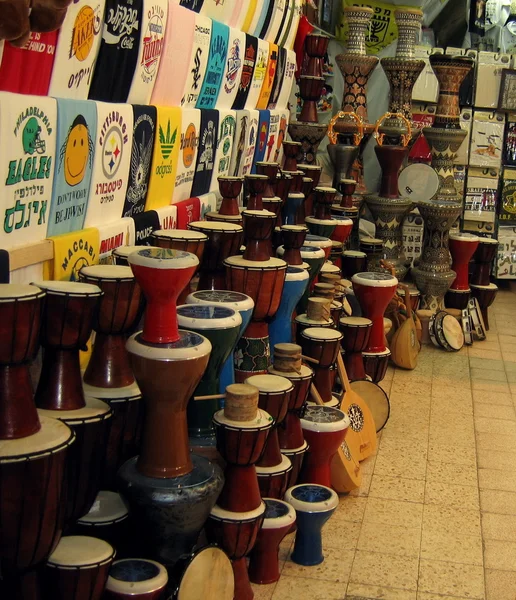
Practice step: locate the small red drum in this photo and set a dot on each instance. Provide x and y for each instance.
(258, 227)
(224, 240)
(462, 247)
(263, 560)
(273, 481)
(230, 189)
(353, 262)
(136, 579)
(356, 331)
(376, 363)
(120, 255)
(78, 569)
(162, 274)
(236, 534)
(323, 345)
(483, 257)
(87, 456)
(241, 444)
(126, 427)
(21, 307)
(485, 294)
(342, 230)
(325, 429)
(68, 315)
(293, 237)
(374, 291)
(107, 520)
(119, 312)
(296, 457)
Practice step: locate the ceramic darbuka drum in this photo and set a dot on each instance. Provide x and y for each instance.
(485, 294)
(87, 456)
(374, 291)
(78, 568)
(221, 326)
(483, 257)
(241, 444)
(119, 311)
(237, 301)
(106, 520)
(324, 429)
(296, 282)
(21, 307)
(236, 534)
(314, 505)
(224, 240)
(462, 247)
(356, 332)
(136, 579)
(263, 560)
(323, 345)
(68, 315)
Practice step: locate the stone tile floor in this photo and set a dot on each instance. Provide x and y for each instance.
(435, 518)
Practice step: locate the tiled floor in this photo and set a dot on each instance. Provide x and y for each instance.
(435, 518)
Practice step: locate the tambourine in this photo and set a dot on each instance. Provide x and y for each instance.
(333, 135)
(405, 137)
(477, 320)
(446, 332)
(467, 327)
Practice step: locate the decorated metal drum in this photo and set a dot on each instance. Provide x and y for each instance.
(221, 326)
(296, 282)
(78, 568)
(241, 444)
(136, 579)
(107, 520)
(314, 505)
(462, 247)
(119, 312)
(374, 291)
(325, 429)
(263, 561)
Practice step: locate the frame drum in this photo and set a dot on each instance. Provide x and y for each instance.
(136, 579)
(477, 320)
(446, 332)
(377, 400)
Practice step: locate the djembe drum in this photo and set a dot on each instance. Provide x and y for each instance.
(280, 328)
(324, 429)
(318, 314)
(77, 569)
(107, 520)
(293, 237)
(292, 151)
(263, 561)
(120, 254)
(170, 491)
(68, 316)
(136, 579)
(236, 534)
(290, 213)
(258, 226)
(483, 258)
(485, 294)
(356, 332)
(462, 247)
(342, 230)
(221, 326)
(255, 185)
(230, 189)
(353, 261)
(118, 313)
(224, 240)
(319, 241)
(237, 301)
(314, 505)
(323, 345)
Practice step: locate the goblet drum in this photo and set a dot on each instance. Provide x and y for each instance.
(221, 326)
(321, 227)
(256, 185)
(87, 456)
(483, 257)
(230, 189)
(303, 322)
(462, 247)
(293, 238)
(162, 275)
(119, 312)
(136, 579)
(120, 255)
(263, 561)
(236, 534)
(314, 505)
(271, 169)
(258, 226)
(68, 314)
(323, 345)
(32, 503)
(353, 261)
(224, 240)
(126, 427)
(107, 520)
(237, 301)
(485, 294)
(374, 291)
(324, 428)
(291, 150)
(296, 283)
(376, 363)
(21, 307)
(241, 444)
(78, 569)
(356, 332)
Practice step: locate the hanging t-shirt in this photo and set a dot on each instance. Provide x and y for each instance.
(270, 74)
(198, 61)
(260, 71)
(249, 61)
(216, 64)
(233, 69)
(144, 224)
(279, 78)
(190, 125)
(263, 135)
(227, 126)
(206, 152)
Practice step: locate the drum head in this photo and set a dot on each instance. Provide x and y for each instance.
(377, 400)
(418, 182)
(208, 576)
(452, 332)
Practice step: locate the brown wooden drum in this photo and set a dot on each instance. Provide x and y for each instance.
(296, 457)
(293, 237)
(483, 257)
(107, 520)
(356, 331)
(353, 261)
(273, 481)
(120, 254)
(78, 569)
(119, 312)
(485, 294)
(258, 226)
(376, 363)
(230, 189)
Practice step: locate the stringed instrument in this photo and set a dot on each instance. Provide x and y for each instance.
(405, 345)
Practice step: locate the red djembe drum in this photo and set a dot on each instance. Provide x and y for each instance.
(311, 89)
(324, 428)
(291, 151)
(293, 237)
(271, 170)
(263, 561)
(314, 173)
(224, 240)
(484, 257)
(118, 314)
(258, 225)
(230, 189)
(462, 247)
(353, 261)
(273, 467)
(485, 294)
(356, 332)
(255, 185)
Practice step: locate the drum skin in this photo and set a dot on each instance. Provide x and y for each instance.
(136, 579)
